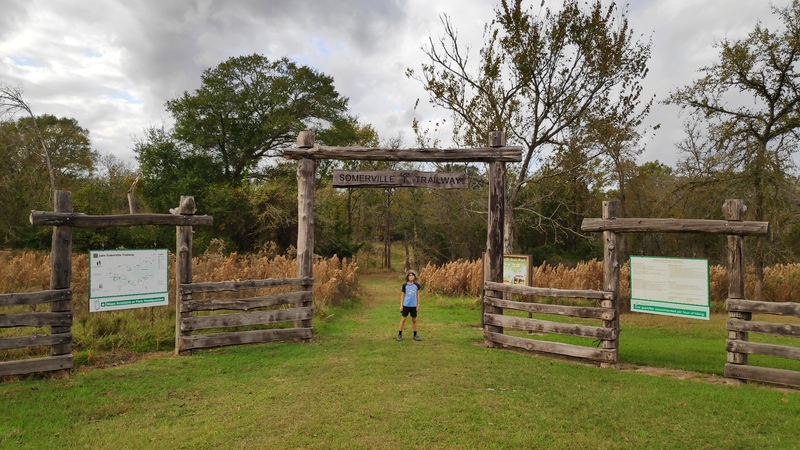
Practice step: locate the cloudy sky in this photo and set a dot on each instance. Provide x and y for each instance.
(112, 64)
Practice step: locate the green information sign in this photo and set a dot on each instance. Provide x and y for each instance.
(670, 286)
(123, 279)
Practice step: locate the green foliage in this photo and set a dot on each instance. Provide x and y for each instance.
(24, 179)
(248, 106)
(225, 134)
(551, 211)
(337, 240)
(170, 169)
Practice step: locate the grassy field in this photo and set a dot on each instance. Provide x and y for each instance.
(356, 387)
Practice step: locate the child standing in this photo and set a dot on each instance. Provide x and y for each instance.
(409, 304)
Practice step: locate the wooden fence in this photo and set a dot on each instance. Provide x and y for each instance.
(260, 310)
(58, 321)
(738, 344)
(740, 311)
(59, 297)
(603, 333)
(608, 311)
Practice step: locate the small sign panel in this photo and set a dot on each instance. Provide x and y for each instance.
(670, 286)
(390, 178)
(517, 269)
(124, 279)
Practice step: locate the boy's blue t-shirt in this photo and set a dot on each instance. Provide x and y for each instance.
(411, 294)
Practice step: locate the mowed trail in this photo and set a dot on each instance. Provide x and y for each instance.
(440, 320)
(379, 315)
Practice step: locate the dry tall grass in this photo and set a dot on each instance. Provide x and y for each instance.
(153, 328)
(456, 278)
(781, 282)
(334, 279)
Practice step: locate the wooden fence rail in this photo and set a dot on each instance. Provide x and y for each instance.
(55, 320)
(254, 313)
(496, 319)
(738, 340)
(221, 286)
(542, 308)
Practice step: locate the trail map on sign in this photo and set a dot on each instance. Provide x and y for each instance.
(121, 279)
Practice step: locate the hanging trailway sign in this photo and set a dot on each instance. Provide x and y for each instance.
(408, 178)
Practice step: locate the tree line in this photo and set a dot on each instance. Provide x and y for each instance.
(566, 84)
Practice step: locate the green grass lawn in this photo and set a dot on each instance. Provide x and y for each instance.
(354, 386)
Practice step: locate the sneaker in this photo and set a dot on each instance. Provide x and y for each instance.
(416, 338)
(399, 337)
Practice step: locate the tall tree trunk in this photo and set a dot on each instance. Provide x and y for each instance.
(387, 223)
(508, 233)
(408, 258)
(760, 248)
(349, 208)
(508, 222)
(132, 206)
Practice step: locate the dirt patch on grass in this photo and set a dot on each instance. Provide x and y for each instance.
(653, 371)
(679, 374)
(118, 358)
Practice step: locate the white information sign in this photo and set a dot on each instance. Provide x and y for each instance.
(670, 286)
(123, 279)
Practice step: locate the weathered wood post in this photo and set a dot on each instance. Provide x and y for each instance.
(183, 272)
(734, 211)
(306, 171)
(494, 234)
(61, 274)
(611, 242)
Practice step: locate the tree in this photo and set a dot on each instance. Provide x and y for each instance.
(170, 168)
(25, 180)
(248, 106)
(540, 76)
(11, 102)
(105, 193)
(750, 101)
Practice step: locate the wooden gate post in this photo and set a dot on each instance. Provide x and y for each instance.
(494, 234)
(611, 241)
(734, 211)
(61, 273)
(306, 171)
(183, 272)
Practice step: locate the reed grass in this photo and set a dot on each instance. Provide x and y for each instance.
(462, 277)
(152, 329)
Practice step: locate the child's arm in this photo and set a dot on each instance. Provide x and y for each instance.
(402, 297)
(418, 289)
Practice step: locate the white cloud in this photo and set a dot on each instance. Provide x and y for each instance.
(113, 64)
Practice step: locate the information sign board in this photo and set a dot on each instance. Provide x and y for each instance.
(517, 269)
(670, 286)
(124, 279)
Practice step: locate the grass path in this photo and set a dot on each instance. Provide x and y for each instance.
(355, 387)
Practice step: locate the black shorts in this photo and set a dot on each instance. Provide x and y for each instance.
(409, 310)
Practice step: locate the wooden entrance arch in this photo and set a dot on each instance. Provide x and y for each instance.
(497, 154)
